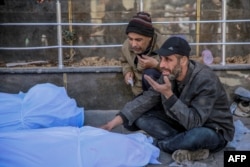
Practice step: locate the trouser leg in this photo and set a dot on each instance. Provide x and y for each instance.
(171, 136)
(157, 125)
(194, 139)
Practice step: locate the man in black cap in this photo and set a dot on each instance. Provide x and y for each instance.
(137, 57)
(194, 119)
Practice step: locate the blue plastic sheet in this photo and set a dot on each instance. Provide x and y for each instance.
(44, 105)
(241, 132)
(44, 128)
(77, 147)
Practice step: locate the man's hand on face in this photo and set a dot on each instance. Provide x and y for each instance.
(147, 62)
(164, 89)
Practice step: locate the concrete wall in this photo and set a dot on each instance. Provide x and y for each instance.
(99, 87)
(93, 88)
(232, 79)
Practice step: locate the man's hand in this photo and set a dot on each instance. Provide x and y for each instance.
(128, 76)
(164, 89)
(113, 123)
(147, 62)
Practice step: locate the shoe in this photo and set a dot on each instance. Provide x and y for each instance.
(185, 155)
(240, 113)
(244, 106)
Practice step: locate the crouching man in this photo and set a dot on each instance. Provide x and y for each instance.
(186, 110)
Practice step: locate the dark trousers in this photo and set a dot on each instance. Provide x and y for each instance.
(170, 135)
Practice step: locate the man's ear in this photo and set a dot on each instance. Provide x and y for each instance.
(184, 60)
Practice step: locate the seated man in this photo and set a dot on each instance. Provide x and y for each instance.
(195, 116)
(137, 56)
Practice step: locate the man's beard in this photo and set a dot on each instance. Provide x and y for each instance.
(175, 73)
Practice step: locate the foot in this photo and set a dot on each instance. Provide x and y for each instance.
(185, 155)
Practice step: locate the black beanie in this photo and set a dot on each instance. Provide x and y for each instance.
(141, 24)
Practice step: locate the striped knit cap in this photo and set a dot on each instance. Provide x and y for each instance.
(141, 24)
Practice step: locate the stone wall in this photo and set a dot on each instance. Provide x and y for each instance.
(93, 88)
(103, 87)
(98, 87)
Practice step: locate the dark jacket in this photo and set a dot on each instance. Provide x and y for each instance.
(202, 102)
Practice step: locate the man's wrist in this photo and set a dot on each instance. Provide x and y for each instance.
(168, 95)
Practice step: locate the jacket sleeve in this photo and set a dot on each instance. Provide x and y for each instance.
(143, 103)
(125, 65)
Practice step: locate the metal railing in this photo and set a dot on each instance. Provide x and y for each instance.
(60, 46)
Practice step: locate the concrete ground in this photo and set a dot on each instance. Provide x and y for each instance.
(99, 117)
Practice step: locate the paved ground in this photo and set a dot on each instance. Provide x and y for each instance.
(99, 117)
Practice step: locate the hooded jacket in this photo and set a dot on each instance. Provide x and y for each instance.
(203, 102)
(128, 61)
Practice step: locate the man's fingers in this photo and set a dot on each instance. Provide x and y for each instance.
(166, 80)
(139, 58)
(151, 81)
(148, 78)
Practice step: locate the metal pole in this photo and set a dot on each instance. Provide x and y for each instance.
(224, 17)
(70, 26)
(59, 34)
(198, 18)
(141, 5)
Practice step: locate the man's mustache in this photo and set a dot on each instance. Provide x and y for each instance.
(171, 76)
(136, 48)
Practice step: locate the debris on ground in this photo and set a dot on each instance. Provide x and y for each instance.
(103, 61)
(97, 61)
(18, 64)
(238, 59)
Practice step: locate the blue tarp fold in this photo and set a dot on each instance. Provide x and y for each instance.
(44, 105)
(77, 147)
(44, 128)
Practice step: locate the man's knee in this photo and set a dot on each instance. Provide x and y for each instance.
(141, 123)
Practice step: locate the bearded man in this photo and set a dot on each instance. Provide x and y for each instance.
(186, 111)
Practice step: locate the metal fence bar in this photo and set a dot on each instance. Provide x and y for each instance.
(59, 34)
(109, 46)
(118, 24)
(224, 17)
(141, 5)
